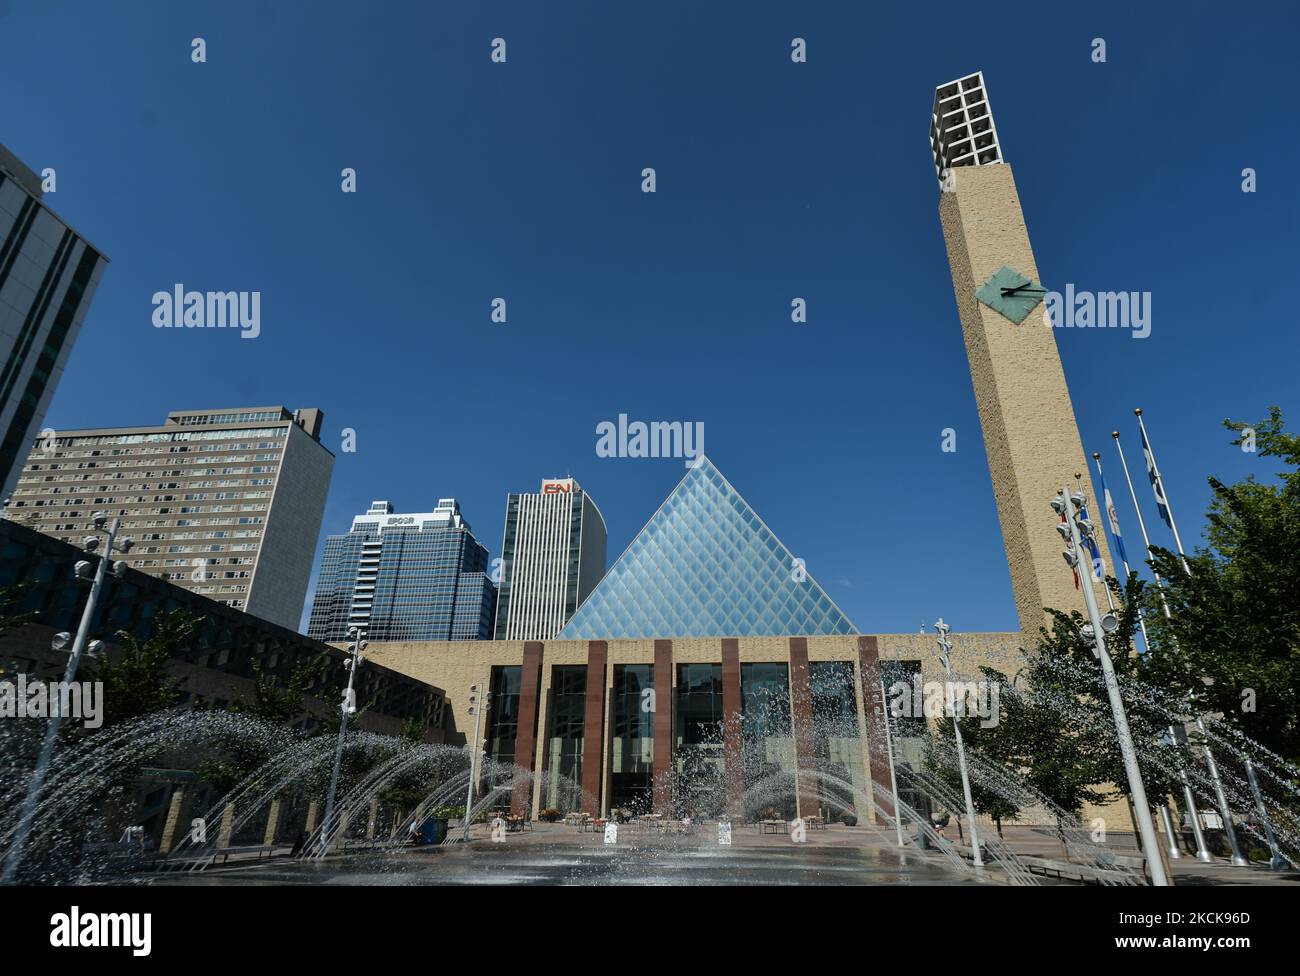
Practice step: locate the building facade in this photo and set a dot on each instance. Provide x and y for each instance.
(226, 503)
(730, 727)
(419, 576)
(48, 276)
(216, 667)
(552, 557)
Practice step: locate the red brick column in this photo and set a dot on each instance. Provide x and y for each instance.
(733, 746)
(873, 708)
(593, 728)
(801, 713)
(663, 747)
(530, 682)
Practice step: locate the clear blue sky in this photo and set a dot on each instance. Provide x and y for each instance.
(775, 180)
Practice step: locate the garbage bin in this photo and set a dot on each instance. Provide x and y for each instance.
(433, 830)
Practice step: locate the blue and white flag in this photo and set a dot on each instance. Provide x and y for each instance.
(1094, 552)
(1113, 519)
(1157, 488)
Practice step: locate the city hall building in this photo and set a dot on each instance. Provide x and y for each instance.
(707, 662)
(775, 686)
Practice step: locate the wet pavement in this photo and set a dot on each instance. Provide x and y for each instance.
(567, 863)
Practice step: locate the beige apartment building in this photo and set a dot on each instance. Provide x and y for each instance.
(226, 503)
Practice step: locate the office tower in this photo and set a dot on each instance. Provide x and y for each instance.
(416, 576)
(48, 275)
(706, 565)
(1030, 433)
(227, 503)
(552, 556)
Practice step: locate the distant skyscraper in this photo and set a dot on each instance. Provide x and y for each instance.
(48, 275)
(552, 556)
(227, 503)
(405, 577)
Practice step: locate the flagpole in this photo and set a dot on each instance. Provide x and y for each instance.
(1146, 540)
(1123, 558)
(1189, 800)
(1173, 523)
(1166, 817)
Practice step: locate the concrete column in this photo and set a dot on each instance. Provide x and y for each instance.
(525, 744)
(170, 827)
(802, 720)
(877, 758)
(313, 809)
(593, 724)
(733, 746)
(663, 744)
(227, 825)
(272, 823)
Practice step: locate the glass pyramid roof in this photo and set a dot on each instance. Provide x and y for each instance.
(705, 565)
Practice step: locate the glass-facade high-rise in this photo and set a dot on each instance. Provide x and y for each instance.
(48, 275)
(706, 565)
(552, 555)
(405, 577)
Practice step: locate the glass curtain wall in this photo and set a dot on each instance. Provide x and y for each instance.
(632, 748)
(562, 785)
(837, 741)
(698, 785)
(768, 739)
(502, 732)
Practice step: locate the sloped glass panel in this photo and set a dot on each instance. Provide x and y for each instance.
(705, 566)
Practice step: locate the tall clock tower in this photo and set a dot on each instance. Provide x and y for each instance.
(1030, 433)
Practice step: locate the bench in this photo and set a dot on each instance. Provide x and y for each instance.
(258, 851)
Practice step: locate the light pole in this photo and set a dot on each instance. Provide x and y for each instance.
(1074, 529)
(945, 648)
(893, 779)
(82, 570)
(476, 708)
(1277, 862)
(1225, 810)
(347, 707)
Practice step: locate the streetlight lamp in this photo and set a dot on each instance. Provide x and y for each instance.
(1075, 529)
(945, 649)
(78, 644)
(347, 707)
(478, 704)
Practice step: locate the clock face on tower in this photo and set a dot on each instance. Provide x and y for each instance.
(1011, 294)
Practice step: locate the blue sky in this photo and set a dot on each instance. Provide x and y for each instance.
(775, 180)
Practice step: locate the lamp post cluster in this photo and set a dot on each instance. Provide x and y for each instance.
(478, 704)
(61, 642)
(945, 657)
(357, 643)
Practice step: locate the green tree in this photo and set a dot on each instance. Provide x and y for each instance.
(978, 740)
(137, 681)
(1235, 617)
